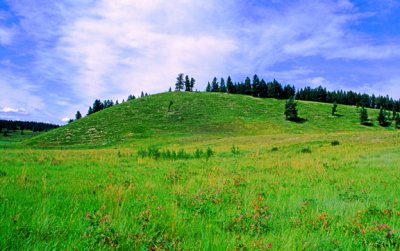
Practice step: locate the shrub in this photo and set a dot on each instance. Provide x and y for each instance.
(335, 143)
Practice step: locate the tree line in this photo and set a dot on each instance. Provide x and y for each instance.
(257, 87)
(11, 125)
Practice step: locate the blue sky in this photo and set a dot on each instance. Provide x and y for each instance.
(56, 57)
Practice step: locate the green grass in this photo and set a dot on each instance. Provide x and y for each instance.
(271, 184)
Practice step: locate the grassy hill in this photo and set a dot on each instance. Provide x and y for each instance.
(202, 115)
(270, 184)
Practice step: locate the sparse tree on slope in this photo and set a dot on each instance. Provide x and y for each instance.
(215, 85)
(334, 108)
(208, 89)
(192, 83)
(291, 110)
(382, 117)
(363, 116)
(78, 115)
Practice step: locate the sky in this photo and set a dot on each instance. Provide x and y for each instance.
(57, 57)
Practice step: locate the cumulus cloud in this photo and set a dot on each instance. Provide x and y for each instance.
(87, 49)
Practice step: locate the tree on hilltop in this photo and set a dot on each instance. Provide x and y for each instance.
(187, 84)
(179, 82)
(78, 115)
(334, 108)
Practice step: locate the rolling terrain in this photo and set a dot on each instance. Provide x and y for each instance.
(213, 172)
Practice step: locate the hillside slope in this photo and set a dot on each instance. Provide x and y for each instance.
(198, 114)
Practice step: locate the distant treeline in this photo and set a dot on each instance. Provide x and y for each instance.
(259, 88)
(11, 125)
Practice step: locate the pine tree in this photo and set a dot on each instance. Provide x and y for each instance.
(179, 82)
(397, 121)
(142, 94)
(187, 84)
(222, 86)
(208, 88)
(192, 83)
(363, 116)
(291, 110)
(229, 85)
(256, 86)
(334, 108)
(382, 117)
(215, 85)
(90, 111)
(247, 86)
(97, 106)
(78, 115)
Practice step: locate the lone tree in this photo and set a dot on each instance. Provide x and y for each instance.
(179, 82)
(382, 117)
(364, 116)
(208, 88)
(334, 108)
(78, 115)
(291, 110)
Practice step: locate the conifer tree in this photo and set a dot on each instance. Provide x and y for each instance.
(192, 83)
(187, 84)
(78, 115)
(215, 85)
(382, 117)
(229, 85)
(363, 116)
(291, 110)
(90, 111)
(334, 108)
(222, 86)
(208, 88)
(179, 82)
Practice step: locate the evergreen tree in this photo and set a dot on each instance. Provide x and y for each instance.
(334, 108)
(78, 115)
(170, 89)
(215, 85)
(187, 84)
(192, 83)
(229, 85)
(179, 82)
(363, 116)
(90, 111)
(130, 97)
(142, 94)
(397, 121)
(291, 110)
(208, 88)
(256, 86)
(222, 86)
(247, 86)
(97, 105)
(382, 117)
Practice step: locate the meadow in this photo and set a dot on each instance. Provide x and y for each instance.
(242, 178)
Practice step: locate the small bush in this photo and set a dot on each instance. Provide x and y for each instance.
(274, 149)
(335, 143)
(235, 150)
(306, 150)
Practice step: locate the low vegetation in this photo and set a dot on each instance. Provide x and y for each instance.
(210, 172)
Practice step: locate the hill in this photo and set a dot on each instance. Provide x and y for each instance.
(202, 115)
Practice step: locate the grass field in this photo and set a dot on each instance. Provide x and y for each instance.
(242, 178)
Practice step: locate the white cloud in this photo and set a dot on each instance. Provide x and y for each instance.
(6, 35)
(65, 119)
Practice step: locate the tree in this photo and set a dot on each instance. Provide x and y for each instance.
(363, 116)
(78, 115)
(130, 97)
(291, 110)
(247, 86)
(208, 88)
(192, 83)
(397, 121)
(215, 85)
(187, 83)
(142, 94)
(179, 82)
(334, 108)
(222, 86)
(382, 117)
(256, 86)
(90, 111)
(97, 106)
(229, 85)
